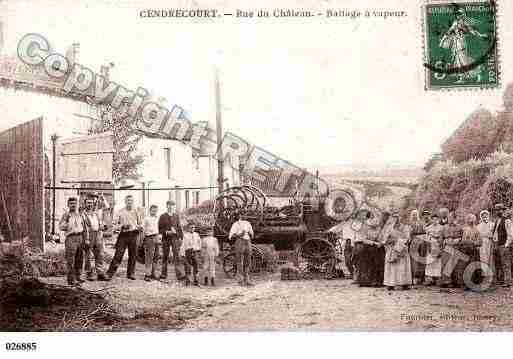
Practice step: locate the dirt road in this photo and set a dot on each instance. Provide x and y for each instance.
(302, 305)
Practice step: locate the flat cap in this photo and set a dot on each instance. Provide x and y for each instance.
(499, 206)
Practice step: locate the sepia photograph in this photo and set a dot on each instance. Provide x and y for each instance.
(301, 166)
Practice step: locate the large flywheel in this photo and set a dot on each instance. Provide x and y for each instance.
(247, 200)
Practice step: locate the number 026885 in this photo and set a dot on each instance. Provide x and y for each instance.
(20, 346)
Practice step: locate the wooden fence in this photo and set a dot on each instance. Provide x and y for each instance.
(21, 183)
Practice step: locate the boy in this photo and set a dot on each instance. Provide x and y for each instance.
(190, 250)
(210, 248)
(151, 243)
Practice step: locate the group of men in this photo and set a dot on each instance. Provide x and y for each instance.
(83, 231)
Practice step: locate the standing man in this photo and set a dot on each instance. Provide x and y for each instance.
(172, 236)
(94, 243)
(502, 237)
(129, 223)
(73, 226)
(151, 243)
(242, 232)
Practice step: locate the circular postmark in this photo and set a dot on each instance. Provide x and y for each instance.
(461, 43)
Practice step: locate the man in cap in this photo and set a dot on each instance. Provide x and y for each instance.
(502, 238)
(73, 225)
(94, 242)
(242, 232)
(129, 222)
(172, 236)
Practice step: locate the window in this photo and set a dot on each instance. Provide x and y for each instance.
(168, 162)
(196, 198)
(187, 199)
(178, 199)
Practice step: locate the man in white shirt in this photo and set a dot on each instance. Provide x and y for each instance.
(190, 250)
(242, 233)
(94, 244)
(151, 243)
(129, 223)
(73, 225)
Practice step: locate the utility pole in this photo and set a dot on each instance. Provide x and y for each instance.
(219, 134)
(54, 184)
(219, 153)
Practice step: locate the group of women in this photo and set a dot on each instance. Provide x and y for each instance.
(428, 248)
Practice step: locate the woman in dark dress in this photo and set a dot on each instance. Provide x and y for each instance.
(418, 247)
(368, 254)
(362, 252)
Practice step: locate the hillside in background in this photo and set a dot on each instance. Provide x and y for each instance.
(475, 168)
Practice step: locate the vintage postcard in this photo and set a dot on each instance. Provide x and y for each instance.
(301, 165)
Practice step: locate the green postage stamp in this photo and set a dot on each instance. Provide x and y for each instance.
(460, 44)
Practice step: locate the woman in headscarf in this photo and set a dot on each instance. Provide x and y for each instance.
(486, 228)
(363, 252)
(433, 260)
(418, 247)
(453, 231)
(469, 245)
(377, 226)
(396, 238)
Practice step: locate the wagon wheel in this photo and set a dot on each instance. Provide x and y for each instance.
(257, 262)
(317, 257)
(230, 265)
(245, 199)
(261, 199)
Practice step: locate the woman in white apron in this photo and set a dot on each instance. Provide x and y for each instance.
(396, 238)
(485, 228)
(434, 256)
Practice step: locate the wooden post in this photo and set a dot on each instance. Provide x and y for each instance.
(7, 216)
(54, 184)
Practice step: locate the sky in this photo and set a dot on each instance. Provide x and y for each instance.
(317, 92)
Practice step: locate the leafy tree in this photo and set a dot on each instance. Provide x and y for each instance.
(475, 138)
(125, 136)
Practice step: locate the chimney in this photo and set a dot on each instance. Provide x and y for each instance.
(105, 70)
(72, 53)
